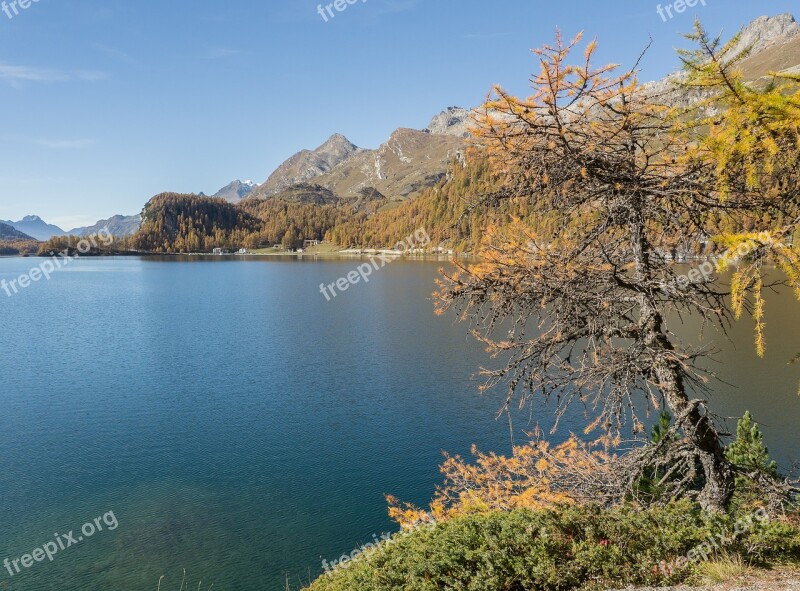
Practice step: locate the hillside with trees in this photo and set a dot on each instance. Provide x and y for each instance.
(175, 223)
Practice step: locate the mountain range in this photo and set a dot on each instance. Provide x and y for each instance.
(10, 233)
(118, 225)
(35, 227)
(411, 161)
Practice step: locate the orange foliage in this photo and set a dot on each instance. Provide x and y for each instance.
(538, 475)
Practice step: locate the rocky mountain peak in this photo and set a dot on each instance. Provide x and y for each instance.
(33, 225)
(235, 191)
(337, 139)
(452, 121)
(774, 44)
(335, 149)
(308, 164)
(766, 31)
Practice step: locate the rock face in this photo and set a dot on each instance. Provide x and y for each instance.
(409, 162)
(774, 44)
(235, 191)
(766, 31)
(33, 225)
(307, 165)
(453, 121)
(118, 225)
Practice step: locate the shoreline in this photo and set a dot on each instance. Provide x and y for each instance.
(297, 255)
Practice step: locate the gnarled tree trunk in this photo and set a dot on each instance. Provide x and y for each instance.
(697, 426)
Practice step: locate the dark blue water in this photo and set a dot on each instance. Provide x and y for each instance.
(242, 427)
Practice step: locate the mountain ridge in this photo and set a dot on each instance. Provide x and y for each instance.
(35, 227)
(307, 165)
(118, 225)
(408, 162)
(10, 233)
(235, 191)
(774, 45)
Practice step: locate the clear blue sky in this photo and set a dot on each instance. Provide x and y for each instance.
(107, 102)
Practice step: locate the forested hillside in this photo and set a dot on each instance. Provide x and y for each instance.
(14, 242)
(443, 210)
(452, 212)
(174, 223)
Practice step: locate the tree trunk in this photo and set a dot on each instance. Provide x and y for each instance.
(696, 426)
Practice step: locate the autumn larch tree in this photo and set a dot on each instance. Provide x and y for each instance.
(581, 312)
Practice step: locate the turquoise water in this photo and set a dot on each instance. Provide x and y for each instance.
(242, 427)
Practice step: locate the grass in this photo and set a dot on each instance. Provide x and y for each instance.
(183, 583)
(723, 570)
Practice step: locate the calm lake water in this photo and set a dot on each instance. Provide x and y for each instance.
(242, 427)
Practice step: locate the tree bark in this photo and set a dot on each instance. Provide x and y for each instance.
(696, 426)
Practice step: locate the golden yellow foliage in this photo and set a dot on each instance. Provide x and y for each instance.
(538, 475)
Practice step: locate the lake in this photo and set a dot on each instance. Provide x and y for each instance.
(242, 427)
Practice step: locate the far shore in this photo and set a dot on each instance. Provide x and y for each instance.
(344, 254)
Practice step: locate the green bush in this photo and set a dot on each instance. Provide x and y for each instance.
(558, 550)
(777, 541)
